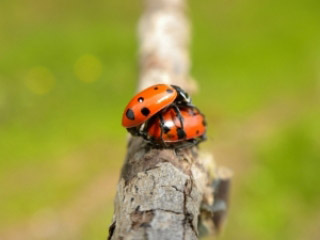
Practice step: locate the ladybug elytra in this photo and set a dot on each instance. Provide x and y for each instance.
(150, 101)
(167, 127)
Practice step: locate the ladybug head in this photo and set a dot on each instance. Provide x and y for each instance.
(183, 97)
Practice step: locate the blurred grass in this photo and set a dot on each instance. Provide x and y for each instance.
(67, 70)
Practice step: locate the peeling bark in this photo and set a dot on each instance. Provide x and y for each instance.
(159, 190)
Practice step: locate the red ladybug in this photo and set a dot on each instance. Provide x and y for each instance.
(166, 129)
(151, 101)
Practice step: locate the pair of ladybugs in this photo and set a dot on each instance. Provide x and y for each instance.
(164, 116)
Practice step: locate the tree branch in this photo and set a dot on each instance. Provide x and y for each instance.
(161, 191)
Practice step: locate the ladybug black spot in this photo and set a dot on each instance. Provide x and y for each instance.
(169, 90)
(155, 88)
(130, 114)
(140, 99)
(197, 132)
(145, 111)
(166, 129)
(204, 123)
(181, 133)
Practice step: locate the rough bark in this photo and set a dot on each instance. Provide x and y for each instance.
(161, 191)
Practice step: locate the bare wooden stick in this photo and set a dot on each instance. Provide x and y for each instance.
(164, 35)
(160, 192)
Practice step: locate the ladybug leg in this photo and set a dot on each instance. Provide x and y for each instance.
(187, 144)
(200, 139)
(177, 110)
(192, 142)
(143, 133)
(161, 129)
(133, 131)
(203, 138)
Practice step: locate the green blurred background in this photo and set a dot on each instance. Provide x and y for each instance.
(68, 68)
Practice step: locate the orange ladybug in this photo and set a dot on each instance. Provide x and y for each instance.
(151, 101)
(166, 129)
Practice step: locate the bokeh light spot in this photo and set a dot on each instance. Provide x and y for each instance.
(40, 80)
(88, 68)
